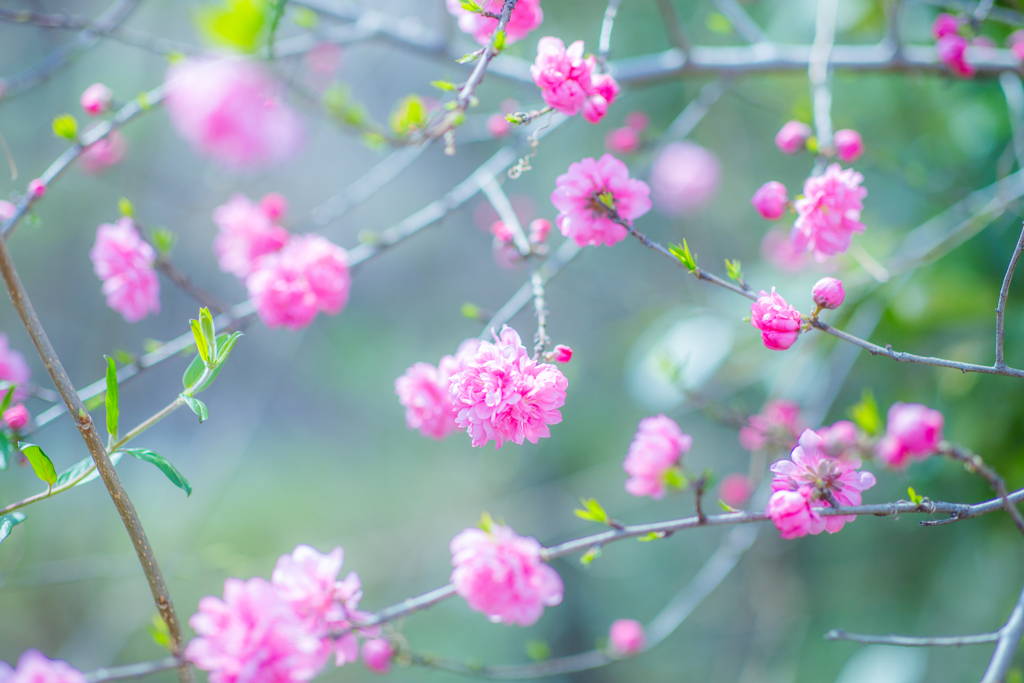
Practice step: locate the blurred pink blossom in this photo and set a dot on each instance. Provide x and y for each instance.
(1015, 41)
(840, 440)
(684, 177)
(34, 667)
(526, 16)
(104, 153)
(324, 59)
(777, 249)
(944, 25)
(498, 126)
(952, 51)
(624, 140)
(657, 447)
(124, 261)
(777, 425)
(771, 200)
(7, 209)
(36, 188)
(735, 490)
(829, 212)
(849, 145)
(274, 206)
(588, 191)
(16, 416)
(377, 654)
(912, 431)
(604, 91)
(424, 392)
(562, 74)
(792, 137)
(96, 99)
(778, 321)
(626, 637)
(539, 230)
(13, 369)
(638, 121)
(245, 234)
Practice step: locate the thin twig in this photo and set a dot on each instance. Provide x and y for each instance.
(139, 670)
(975, 464)
(604, 44)
(673, 29)
(163, 265)
(1004, 292)
(818, 70)
(910, 641)
(1009, 639)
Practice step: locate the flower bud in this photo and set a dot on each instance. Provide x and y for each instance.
(502, 233)
(498, 126)
(562, 354)
(735, 490)
(792, 515)
(626, 636)
(849, 145)
(377, 655)
(828, 293)
(917, 426)
(944, 25)
(952, 49)
(7, 209)
(638, 121)
(792, 138)
(622, 141)
(595, 108)
(771, 200)
(274, 206)
(36, 189)
(779, 322)
(96, 99)
(16, 417)
(539, 229)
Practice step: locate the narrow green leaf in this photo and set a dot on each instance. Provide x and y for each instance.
(194, 372)
(675, 478)
(725, 506)
(682, 252)
(6, 448)
(443, 85)
(915, 498)
(653, 536)
(197, 333)
(486, 522)
(163, 239)
(499, 41)
(590, 555)
(8, 522)
(169, 470)
(206, 322)
(159, 632)
(81, 466)
(7, 400)
(197, 406)
(41, 464)
(718, 23)
(113, 409)
(224, 345)
(734, 270)
(592, 511)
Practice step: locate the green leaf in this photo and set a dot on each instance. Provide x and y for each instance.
(472, 6)
(8, 522)
(409, 115)
(734, 270)
(159, 632)
(471, 311)
(197, 333)
(209, 333)
(718, 23)
(163, 465)
(125, 206)
(725, 506)
(225, 343)
(914, 497)
(486, 522)
(443, 85)
(163, 239)
(41, 464)
(675, 478)
(6, 448)
(590, 555)
(592, 511)
(197, 406)
(653, 536)
(65, 126)
(112, 397)
(499, 41)
(234, 23)
(7, 400)
(538, 650)
(306, 18)
(682, 252)
(81, 466)
(470, 57)
(96, 401)
(865, 414)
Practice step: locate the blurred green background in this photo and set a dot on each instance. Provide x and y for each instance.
(307, 442)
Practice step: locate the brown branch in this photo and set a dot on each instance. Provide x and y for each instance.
(1004, 292)
(976, 465)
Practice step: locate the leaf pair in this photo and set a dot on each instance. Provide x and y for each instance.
(43, 466)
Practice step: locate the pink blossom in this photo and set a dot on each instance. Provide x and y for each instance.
(539, 229)
(735, 490)
(501, 574)
(104, 153)
(828, 293)
(1015, 41)
(839, 440)
(944, 25)
(36, 188)
(776, 425)
(771, 200)
(657, 448)
(34, 667)
(231, 110)
(124, 261)
(502, 233)
(602, 95)
(562, 74)
(793, 137)
(892, 452)
(588, 191)
(7, 209)
(849, 145)
(96, 99)
(424, 392)
(526, 16)
(274, 206)
(622, 140)
(829, 212)
(778, 321)
(245, 235)
(500, 393)
(626, 636)
(562, 354)
(638, 121)
(377, 654)
(913, 431)
(822, 479)
(1018, 50)
(13, 369)
(16, 416)
(792, 515)
(498, 126)
(684, 177)
(254, 636)
(777, 249)
(952, 51)
(308, 275)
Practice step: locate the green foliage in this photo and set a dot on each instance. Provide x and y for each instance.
(499, 41)
(65, 126)
(915, 498)
(469, 57)
(163, 240)
(236, 24)
(472, 6)
(486, 522)
(40, 462)
(124, 205)
(538, 650)
(718, 23)
(113, 410)
(443, 85)
(471, 311)
(675, 478)
(6, 403)
(161, 463)
(306, 18)
(409, 116)
(590, 555)
(6, 449)
(197, 406)
(158, 631)
(653, 536)
(8, 522)
(734, 269)
(682, 252)
(337, 100)
(865, 414)
(592, 511)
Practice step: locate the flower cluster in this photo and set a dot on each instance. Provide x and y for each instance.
(424, 392)
(500, 393)
(912, 432)
(811, 480)
(34, 667)
(829, 212)
(567, 80)
(124, 261)
(654, 456)
(590, 192)
(501, 574)
(776, 426)
(951, 46)
(526, 16)
(278, 631)
(778, 321)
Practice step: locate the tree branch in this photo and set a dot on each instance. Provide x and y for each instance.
(1009, 639)
(1004, 292)
(910, 641)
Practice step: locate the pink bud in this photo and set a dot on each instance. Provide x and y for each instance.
(377, 655)
(562, 354)
(849, 145)
(828, 293)
(498, 126)
(951, 49)
(502, 233)
(96, 99)
(792, 138)
(944, 25)
(918, 427)
(779, 322)
(638, 121)
(792, 515)
(274, 206)
(892, 452)
(622, 141)
(16, 417)
(595, 108)
(539, 229)
(735, 490)
(7, 209)
(36, 189)
(1018, 50)
(771, 200)
(627, 637)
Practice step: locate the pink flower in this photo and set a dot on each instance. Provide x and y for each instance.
(1015, 41)
(308, 275)
(377, 654)
(638, 121)
(588, 191)
(13, 369)
(626, 636)
(792, 515)
(274, 206)
(829, 212)
(776, 425)
(657, 448)
(16, 416)
(602, 95)
(245, 234)
(771, 200)
(230, 110)
(562, 354)
(96, 99)
(684, 177)
(424, 391)
(777, 249)
(849, 145)
(828, 293)
(793, 137)
(526, 16)
(501, 574)
(36, 188)
(952, 51)
(562, 74)
(539, 229)
(254, 636)
(124, 261)
(502, 233)
(34, 667)
(892, 452)
(498, 126)
(839, 440)
(7, 209)
(912, 430)
(104, 153)
(778, 321)
(944, 25)
(622, 140)
(500, 393)
(735, 490)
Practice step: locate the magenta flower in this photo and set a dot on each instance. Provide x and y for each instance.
(604, 91)
(735, 490)
(377, 654)
(500, 393)
(829, 212)
(1015, 41)
(104, 153)
(16, 416)
(822, 479)
(254, 636)
(501, 574)
(684, 177)
(626, 637)
(13, 369)
(793, 137)
(526, 16)
(952, 51)
(231, 110)
(840, 440)
(912, 431)
(591, 189)
(623, 140)
(657, 448)
(36, 188)
(309, 275)
(778, 321)
(828, 293)
(776, 425)
(792, 515)
(771, 200)
(245, 234)
(424, 392)
(849, 145)
(562, 74)
(944, 25)
(539, 230)
(561, 353)
(274, 206)
(34, 667)
(124, 261)
(96, 99)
